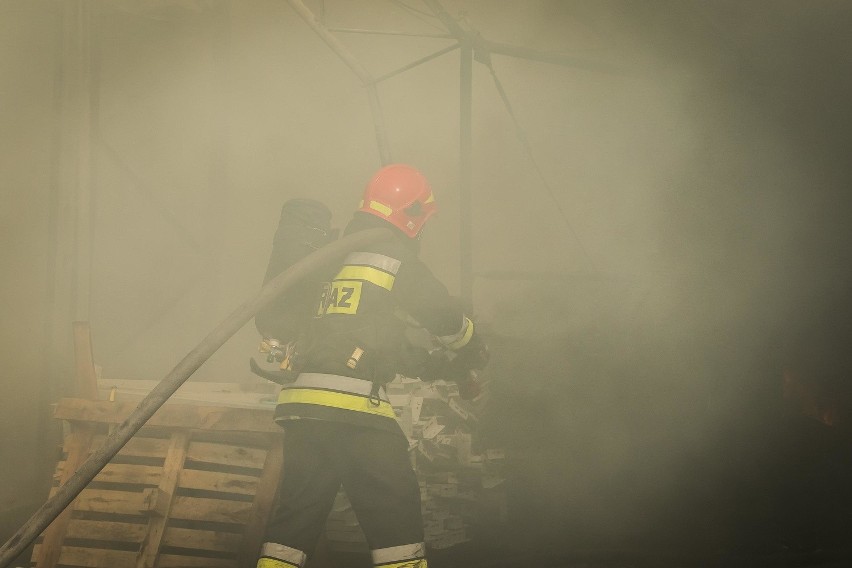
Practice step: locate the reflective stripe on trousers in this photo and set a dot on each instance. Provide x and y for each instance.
(404, 556)
(274, 555)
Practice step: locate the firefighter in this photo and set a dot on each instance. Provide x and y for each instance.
(339, 423)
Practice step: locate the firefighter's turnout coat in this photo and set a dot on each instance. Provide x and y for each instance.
(356, 342)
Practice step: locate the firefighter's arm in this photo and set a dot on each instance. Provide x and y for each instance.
(471, 352)
(471, 355)
(429, 302)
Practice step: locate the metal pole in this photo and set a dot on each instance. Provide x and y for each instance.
(465, 154)
(465, 149)
(172, 381)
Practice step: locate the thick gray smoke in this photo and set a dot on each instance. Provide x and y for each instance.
(662, 221)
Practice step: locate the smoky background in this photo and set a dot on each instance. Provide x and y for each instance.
(670, 223)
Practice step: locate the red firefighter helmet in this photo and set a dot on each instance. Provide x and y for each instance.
(400, 195)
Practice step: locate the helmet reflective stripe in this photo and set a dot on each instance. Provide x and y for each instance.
(381, 208)
(408, 555)
(460, 339)
(274, 555)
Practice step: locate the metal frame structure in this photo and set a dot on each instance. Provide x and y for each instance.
(473, 47)
(82, 149)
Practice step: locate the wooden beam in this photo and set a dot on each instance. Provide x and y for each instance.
(264, 501)
(215, 418)
(172, 467)
(86, 385)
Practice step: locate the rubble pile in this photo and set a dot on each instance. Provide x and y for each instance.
(457, 484)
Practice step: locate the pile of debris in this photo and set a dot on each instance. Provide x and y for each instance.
(457, 484)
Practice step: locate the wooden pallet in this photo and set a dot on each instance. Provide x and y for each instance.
(193, 488)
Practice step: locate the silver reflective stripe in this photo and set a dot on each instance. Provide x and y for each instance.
(449, 340)
(285, 553)
(380, 261)
(340, 383)
(399, 553)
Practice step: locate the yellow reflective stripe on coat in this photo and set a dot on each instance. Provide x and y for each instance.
(335, 400)
(367, 274)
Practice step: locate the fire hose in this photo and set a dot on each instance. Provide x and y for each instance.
(87, 471)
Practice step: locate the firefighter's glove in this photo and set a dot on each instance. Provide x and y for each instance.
(434, 365)
(470, 388)
(473, 356)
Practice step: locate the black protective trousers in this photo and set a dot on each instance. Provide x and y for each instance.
(372, 465)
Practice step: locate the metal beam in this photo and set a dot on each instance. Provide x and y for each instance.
(382, 32)
(356, 67)
(452, 25)
(555, 58)
(485, 46)
(416, 63)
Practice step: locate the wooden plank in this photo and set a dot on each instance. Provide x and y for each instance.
(157, 501)
(139, 447)
(179, 561)
(264, 501)
(216, 481)
(130, 473)
(216, 510)
(210, 452)
(242, 439)
(105, 530)
(110, 501)
(77, 450)
(184, 416)
(232, 395)
(105, 558)
(93, 557)
(213, 541)
(166, 489)
(86, 379)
